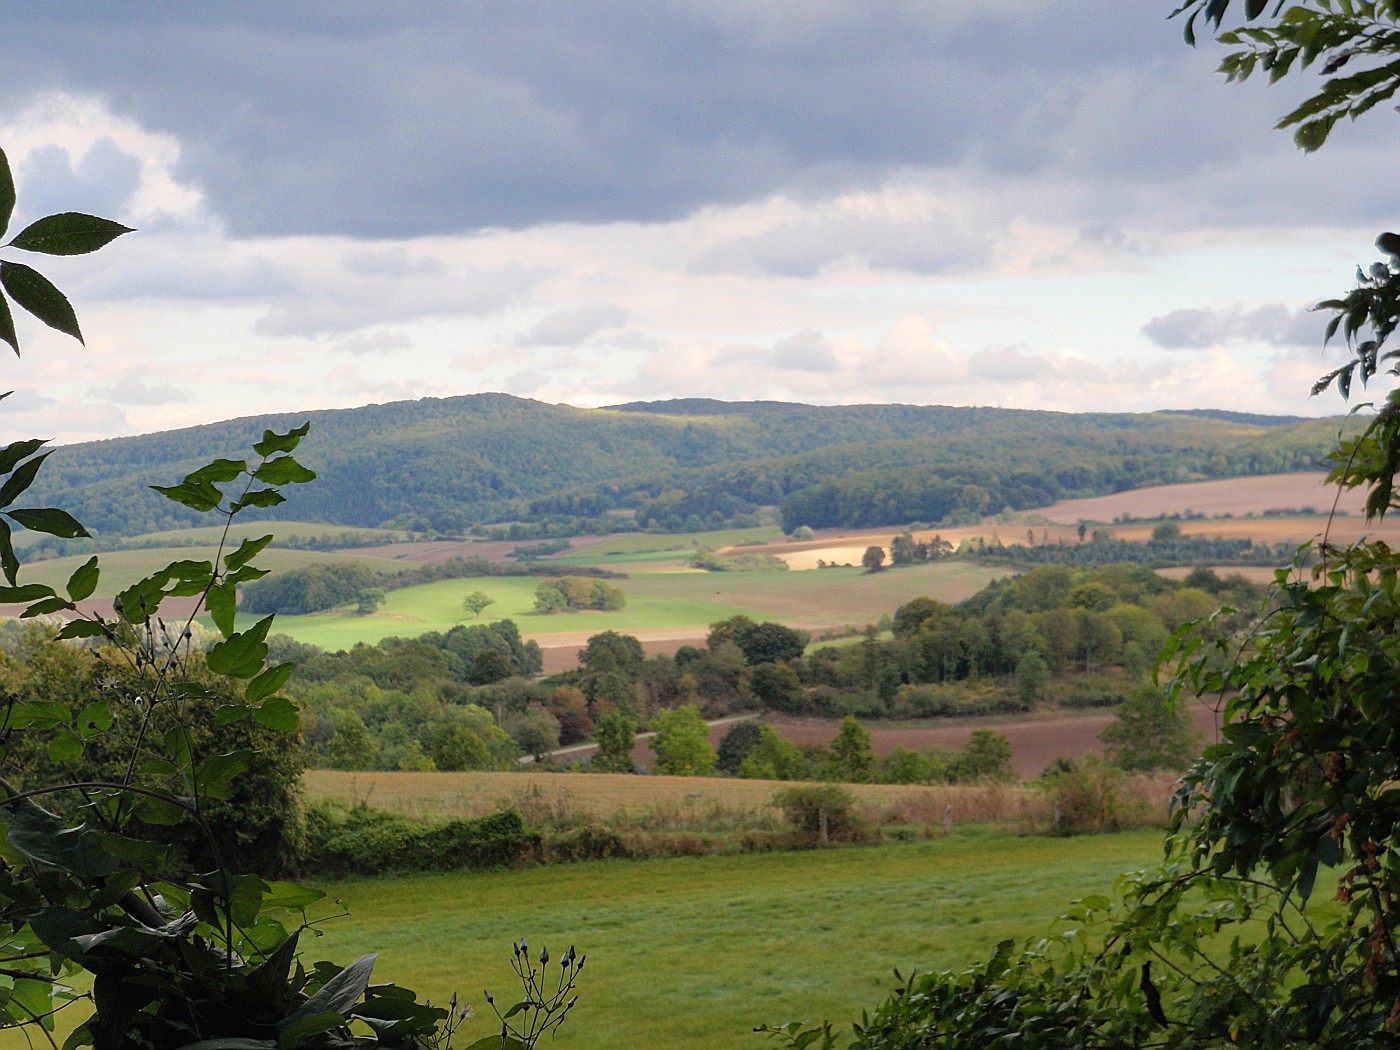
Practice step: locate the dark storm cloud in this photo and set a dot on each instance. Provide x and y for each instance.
(423, 117)
(1206, 327)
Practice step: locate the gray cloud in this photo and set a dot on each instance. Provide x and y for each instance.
(806, 351)
(100, 182)
(422, 117)
(334, 306)
(129, 390)
(1198, 329)
(573, 325)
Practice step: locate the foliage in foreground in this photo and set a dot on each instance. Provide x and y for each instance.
(184, 948)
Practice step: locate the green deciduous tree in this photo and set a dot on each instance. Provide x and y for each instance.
(873, 559)
(851, 757)
(682, 743)
(1147, 733)
(476, 602)
(773, 758)
(616, 735)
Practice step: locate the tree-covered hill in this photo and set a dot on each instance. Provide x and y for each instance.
(450, 463)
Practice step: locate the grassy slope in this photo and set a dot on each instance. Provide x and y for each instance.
(691, 953)
(661, 600)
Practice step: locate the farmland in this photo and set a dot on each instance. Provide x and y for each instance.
(692, 952)
(660, 605)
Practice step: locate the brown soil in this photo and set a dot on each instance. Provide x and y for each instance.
(1036, 741)
(562, 652)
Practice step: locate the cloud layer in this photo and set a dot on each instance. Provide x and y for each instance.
(1052, 205)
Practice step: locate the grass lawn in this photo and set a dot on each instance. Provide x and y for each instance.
(692, 952)
(662, 600)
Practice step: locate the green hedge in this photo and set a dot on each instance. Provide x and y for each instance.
(365, 841)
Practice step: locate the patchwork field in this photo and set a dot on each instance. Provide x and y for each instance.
(661, 607)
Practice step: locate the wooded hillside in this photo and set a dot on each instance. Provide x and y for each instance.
(450, 463)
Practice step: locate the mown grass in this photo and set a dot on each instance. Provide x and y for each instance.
(692, 952)
(662, 600)
(438, 607)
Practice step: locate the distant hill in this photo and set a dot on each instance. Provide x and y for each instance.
(450, 463)
(1237, 417)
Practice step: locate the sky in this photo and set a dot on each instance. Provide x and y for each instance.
(1045, 204)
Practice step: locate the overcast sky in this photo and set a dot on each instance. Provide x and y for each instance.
(1025, 203)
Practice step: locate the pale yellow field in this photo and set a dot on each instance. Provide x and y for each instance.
(1236, 496)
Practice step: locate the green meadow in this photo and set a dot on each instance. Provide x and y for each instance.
(654, 601)
(693, 952)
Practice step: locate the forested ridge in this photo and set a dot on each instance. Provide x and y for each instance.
(447, 464)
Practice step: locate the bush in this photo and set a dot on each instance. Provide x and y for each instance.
(1087, 799)
(365, 841)
(824, 813)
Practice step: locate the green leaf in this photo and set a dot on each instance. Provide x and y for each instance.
(83, 629)
(7, 192)
(216, 773)
(15, 451)
(273, 442)
(84, 580)
(42, 836)
(200, 496)
(284, 470)
(46, 606)
(41, 714)
(66, 747)
(277, 713)
(8, 561)
(220, 470)
(95, 718)
(268, 682)
(496, 1042)
(291, 896)
(68, 233)
(259, 498)
(28, 593)
(246, 552)
(7, 326)
(228, 714)
(310, 1024)
(222, 603)
(37, 294)
(241, 655)
(51, 521)
(338, 995)
(21, 479)
(231, 1043)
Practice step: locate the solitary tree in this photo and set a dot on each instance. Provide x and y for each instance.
(477, 601)
(873, 559)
